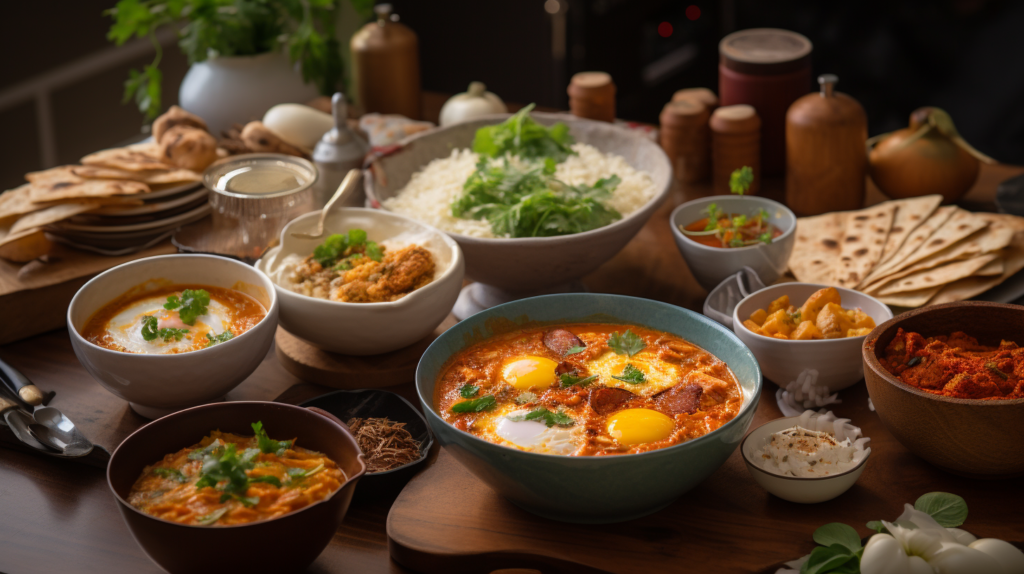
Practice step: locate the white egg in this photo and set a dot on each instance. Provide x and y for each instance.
(1007, 555)
(535, 436)
(125, 328)
(301, 126)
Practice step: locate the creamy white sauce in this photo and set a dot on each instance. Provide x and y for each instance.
(800, 452)
(125, 328)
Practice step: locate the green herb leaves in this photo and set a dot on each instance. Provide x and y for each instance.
(191, 305)
(266, 444)
(468, 391)
(949, 510)
(545, 416)
(225, 465)
(267, 478)
(170, 473)
(474, 405)
(740, 180)
(212, 339)
(627, 343)
(631, 375)
(212, 517)
(838, 533)
(341, 250)
(525, 398)
(150, 331)
(570, 379)
(574, 350)
(297, 473)
(522, 136)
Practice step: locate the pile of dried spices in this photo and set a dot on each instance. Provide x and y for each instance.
(386, 443)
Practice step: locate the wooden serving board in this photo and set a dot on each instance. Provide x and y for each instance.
(447, 520)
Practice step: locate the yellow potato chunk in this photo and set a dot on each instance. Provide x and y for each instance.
(806, 331)
(758, 317)
(779, 336)
(754, 327)
(779, 304)
(861, 320)
(833, 322)
(858, 332)
(816, 302)
(777, 322)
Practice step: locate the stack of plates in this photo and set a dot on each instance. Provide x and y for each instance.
(115, 230)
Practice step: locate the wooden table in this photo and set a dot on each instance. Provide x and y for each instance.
(61, 517)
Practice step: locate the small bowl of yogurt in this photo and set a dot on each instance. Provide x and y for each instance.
(810, 458)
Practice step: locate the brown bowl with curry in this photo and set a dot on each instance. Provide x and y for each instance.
(948, 383)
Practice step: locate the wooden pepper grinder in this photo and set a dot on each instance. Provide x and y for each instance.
(702, 95)
(386, 66)
(592, 96)
(686, 139)
(735, 142)
(825, 157)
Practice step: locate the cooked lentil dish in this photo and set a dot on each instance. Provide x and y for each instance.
(587, 389)
(956, 365)
(229, 479)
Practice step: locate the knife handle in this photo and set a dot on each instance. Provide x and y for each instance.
(20, 384)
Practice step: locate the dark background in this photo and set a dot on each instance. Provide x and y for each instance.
(966, 56)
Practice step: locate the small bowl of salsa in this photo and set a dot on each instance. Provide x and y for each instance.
(719, 235)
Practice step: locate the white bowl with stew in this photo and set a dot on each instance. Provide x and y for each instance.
(838, 361)
(366, 328)
(159, 384)
(712, 265)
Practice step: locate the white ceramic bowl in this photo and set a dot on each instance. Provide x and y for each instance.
(367, 328)
(794, 488)
(711, 265)
(838, 361)
(156, 385)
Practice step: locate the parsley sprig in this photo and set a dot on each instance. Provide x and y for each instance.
(545, 416)
(171, 473)
(341, 250)
(631, 375)
(628, 343)
(266, 444)
(150, 330)
(474, 405)
(212, 339)
(570, 379)
(191, 305)
(736, 230)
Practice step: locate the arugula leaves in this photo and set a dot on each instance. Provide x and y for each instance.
(212, 340)
(266, 444)
(171, 473)
(569, 379)
(545, 416)
(631, 375)
(150, 331)
(468, 391)
(342, 249)
(521, 135)
(474, 405)
(628, 343)
(191, 305)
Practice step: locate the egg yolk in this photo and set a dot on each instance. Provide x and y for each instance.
(639, 426)
(530, 373)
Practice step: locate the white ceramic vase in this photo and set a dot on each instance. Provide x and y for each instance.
(238, 89)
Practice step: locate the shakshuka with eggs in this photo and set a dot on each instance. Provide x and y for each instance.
(587, 389)
(172, 319)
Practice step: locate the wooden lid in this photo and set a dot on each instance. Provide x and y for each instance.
(738, 118)
(591, 80)
(826, 107)
(702, 95)
(765, 51)
(683, 113)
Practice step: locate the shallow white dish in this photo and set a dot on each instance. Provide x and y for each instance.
(156, 385)
(804, 490)
(711, 265)
(366, 328)
(838, 361)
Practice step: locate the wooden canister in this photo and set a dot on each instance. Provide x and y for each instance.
(825, 157)
(592, 96)
(735, 142)
(386, 66)
(702, 95)
(769, 69)
(686, 139)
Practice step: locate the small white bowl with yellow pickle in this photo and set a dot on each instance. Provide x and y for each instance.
(791, 327)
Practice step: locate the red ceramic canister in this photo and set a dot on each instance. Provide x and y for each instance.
(768, 69)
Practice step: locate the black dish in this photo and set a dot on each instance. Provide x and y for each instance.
(347, 405)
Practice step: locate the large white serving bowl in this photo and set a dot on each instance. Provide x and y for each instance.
(366, 328)
(157, 385)
(838, 361)
(711, 265)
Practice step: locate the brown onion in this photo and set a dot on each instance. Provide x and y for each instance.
(927, 157)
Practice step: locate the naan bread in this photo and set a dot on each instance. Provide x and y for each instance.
(816, 247)
(1013, 261)
(25, 245)
(994, 268)
(16, 202)
(137, 157)
(863, 240)
(910, 298)
(149, 176)
(912, 243)
(938, 276)
(910, 214)
(60, 183)
(960, 226)
(52, 214)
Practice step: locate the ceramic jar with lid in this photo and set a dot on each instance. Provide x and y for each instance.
(386, 66)
(685, 137)
(826, 160)
(735, 143)
(592, 96)
(768, 69)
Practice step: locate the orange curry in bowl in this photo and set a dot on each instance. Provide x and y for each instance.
(725, 230)
(587, 389)
(229, 479)
(956, 366)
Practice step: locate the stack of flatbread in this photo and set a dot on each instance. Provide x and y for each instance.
(909, 252)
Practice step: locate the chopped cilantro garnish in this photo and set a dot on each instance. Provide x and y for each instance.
(191, 305)
(574, 350)
(373, 251)
(267, 478)
(267, 444)
(228, 467)
(150, 331)
(297, 473)
(474, 405)
(741, 179)
(468, 391)
(545, 416)
(341, 246)
(522, 136)
(170, 473)
(212, 340)
(569, 380)
(631, 375)
(627, 343)
(213, 516)
(526, 397)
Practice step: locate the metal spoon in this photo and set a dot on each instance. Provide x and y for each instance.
(55, 430)
(348, 185)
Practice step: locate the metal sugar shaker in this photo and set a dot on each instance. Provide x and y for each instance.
(339, 151)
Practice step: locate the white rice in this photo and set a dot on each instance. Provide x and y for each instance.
(430, 192)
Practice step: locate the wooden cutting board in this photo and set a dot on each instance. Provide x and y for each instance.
(448, 521)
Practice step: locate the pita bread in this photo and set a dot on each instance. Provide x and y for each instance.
(910, 214)
(137, 157)
(917, 238)
(863, 240)
(910, 298)
(816, 246)
(16, 202)
(59, 184)
(994, 268)
(25, 245)
(50, 215)
(1013, 261)
(960, 226)
(149, 176)
(938, 276)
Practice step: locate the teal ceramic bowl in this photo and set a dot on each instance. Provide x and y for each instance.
(592, 489)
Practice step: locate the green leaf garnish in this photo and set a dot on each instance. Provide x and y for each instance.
(213, 516)
(341, 249)
(170, 473)
(569, 380)
(191, 305)
(373, 251)
(631, 375)
(468, 391)
(627, 343)
(297, 473)
(765, 237)
(474, 405)
(225, 469)
(525, 398)
(522, 136)
(740, 180)
(149, 328)
(266, 444)
(838, 533)
(714, 215)
(575, 349)
(949, 510)
(212, 340)
(545, 416)
(199, 453)
(267, 478)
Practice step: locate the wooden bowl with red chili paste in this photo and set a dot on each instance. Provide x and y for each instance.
(948, 383)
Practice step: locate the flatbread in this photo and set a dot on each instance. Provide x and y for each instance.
(1013, 261)
(863, 240)
(59, 183)
(52, 214)
(994, 268)
(910, 298)
(938, 276)
(137, 157)
(16, 202)
(149, 176)
(960, 226)
(917, 238)
(910, 214)
(816, 247)
(25, 245)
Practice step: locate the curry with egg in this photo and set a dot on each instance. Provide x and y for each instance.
(229, 479)
(587, 389)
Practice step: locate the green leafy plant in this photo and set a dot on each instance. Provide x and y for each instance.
(575, 349)
(545, 416)
(522, 136)
(191, 305)
(266, 444)
(628, 343)
(468, 391)
(304, 28)
(170, 473)
(741, 179)
(150, 330)
(474, 405)
(570, 379)
(212, 340)
(341, 249)
(631, 375)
